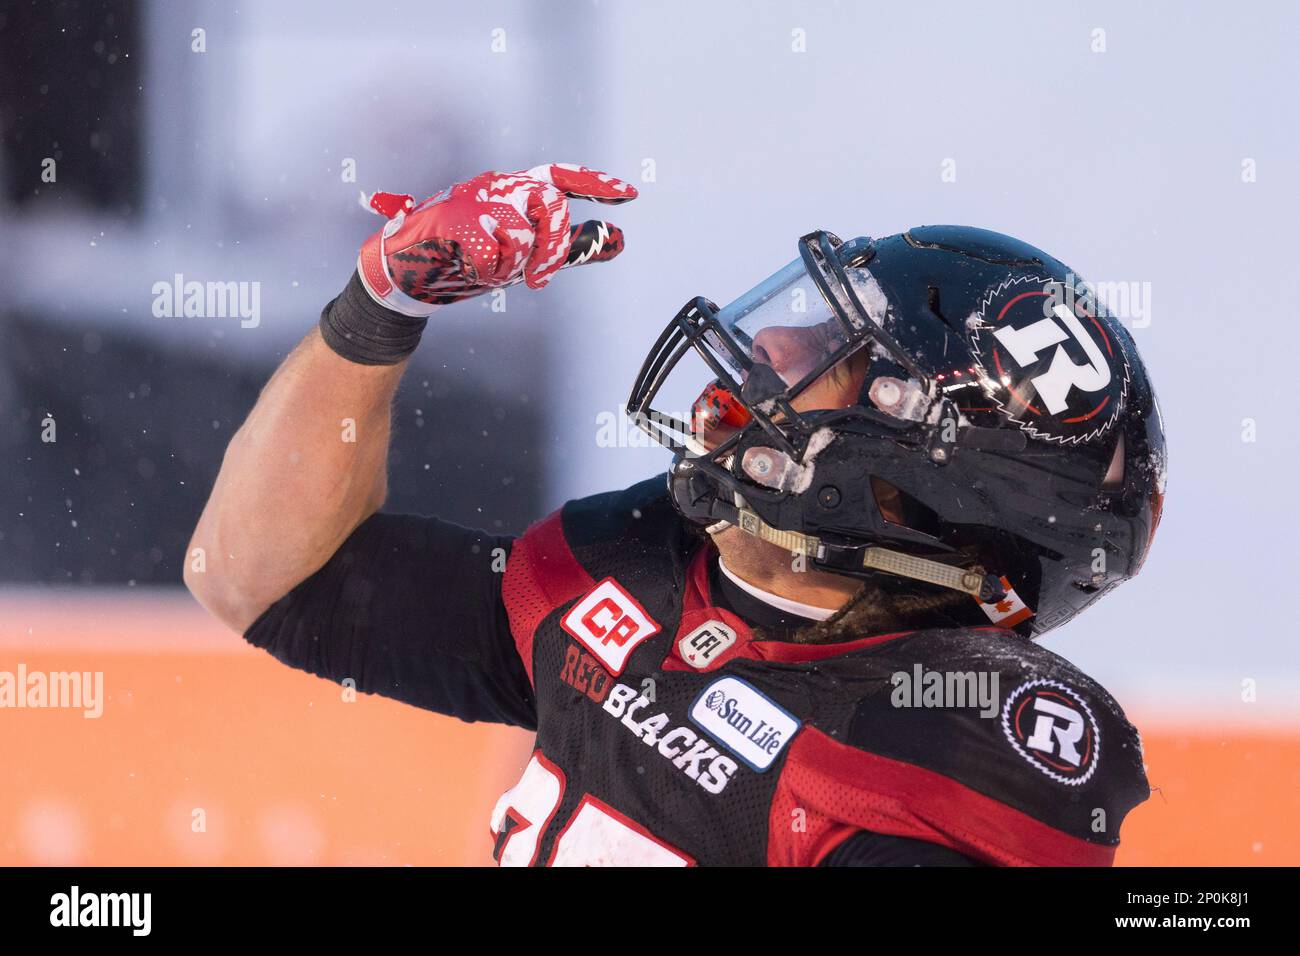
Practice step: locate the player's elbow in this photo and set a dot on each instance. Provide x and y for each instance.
(233, 604)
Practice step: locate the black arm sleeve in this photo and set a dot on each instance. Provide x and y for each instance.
(410, 608)
(876, 849)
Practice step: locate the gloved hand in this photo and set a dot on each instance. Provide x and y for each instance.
(489, 232)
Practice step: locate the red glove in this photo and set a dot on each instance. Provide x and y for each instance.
(490, 232)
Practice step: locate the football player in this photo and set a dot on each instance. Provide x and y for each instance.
(815, 641)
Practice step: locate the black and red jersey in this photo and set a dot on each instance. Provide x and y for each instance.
(669, 734)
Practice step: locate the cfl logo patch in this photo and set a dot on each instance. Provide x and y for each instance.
(610, 623)
(702, 646)
(1050, 726)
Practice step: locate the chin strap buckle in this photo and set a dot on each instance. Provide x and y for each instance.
(792, 541)
(986, 588)
(983, 587)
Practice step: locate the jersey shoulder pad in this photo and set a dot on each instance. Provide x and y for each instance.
(641, 512)
(1006, 747)
(634, 535)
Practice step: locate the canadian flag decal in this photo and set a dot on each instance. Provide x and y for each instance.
(1010, 611)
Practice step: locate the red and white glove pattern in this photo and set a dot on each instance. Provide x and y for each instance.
(492, 231)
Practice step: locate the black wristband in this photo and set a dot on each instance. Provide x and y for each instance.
(363, 331)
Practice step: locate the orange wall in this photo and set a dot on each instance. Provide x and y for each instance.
(1228, 797)
(287, 772)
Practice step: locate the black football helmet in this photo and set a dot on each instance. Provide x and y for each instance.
(1006, 440)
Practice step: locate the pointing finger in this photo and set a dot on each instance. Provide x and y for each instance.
(579, 182)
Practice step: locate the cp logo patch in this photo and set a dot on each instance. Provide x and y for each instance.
(609, 623)
(1052, 728)
(1047, 361)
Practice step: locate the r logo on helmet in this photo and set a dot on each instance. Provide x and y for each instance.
(1051, 366)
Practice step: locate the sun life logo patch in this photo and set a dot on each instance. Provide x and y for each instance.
(745, 721)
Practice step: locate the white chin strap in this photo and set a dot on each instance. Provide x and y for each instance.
(873, 558)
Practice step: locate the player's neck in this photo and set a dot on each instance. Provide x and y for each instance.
(770, 569)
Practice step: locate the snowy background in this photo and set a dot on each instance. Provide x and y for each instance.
(1143, 144)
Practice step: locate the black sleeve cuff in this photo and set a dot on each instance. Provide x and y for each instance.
(361, 330)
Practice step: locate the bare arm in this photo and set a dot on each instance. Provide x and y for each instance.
(306, 467)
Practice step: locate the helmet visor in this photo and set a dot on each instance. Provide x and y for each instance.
(768, 346)
(786, 323)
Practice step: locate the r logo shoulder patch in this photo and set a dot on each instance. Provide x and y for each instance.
(610, 623)
(746, 721)
(1050, 726)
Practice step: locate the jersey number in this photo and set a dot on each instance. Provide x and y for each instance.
(595, 835)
